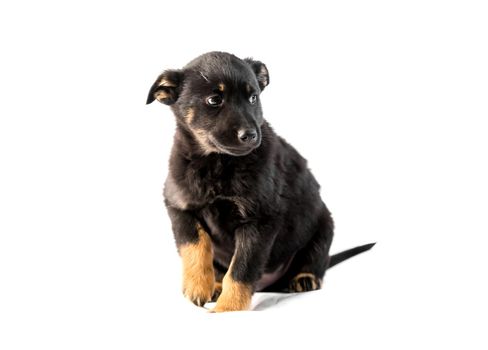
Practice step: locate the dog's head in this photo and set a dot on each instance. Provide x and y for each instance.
(216, 98)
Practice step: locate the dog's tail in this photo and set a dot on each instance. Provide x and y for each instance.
(340, 257)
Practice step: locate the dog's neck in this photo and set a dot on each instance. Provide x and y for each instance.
(207, 177)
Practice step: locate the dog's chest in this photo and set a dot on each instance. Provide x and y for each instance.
(207, 181)
(221, 216)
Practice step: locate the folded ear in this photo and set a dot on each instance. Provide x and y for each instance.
(166, 88)
(259, 68)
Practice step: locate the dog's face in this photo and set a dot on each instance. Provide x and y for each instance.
(216, 98)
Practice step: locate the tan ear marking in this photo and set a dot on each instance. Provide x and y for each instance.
(166, 83)
(161, 95)
(263, 76)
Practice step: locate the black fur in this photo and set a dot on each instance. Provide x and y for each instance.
(256, 198)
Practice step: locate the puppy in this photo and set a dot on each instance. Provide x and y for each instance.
(245, 210)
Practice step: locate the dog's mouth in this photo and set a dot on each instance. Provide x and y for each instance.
(233, 151)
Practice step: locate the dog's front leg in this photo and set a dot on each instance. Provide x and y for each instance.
(195, 248)
(250, 255)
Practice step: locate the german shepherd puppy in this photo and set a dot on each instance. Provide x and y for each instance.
(245, 210)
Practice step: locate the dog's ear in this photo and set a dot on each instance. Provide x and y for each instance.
(259, 68)
(166, 88)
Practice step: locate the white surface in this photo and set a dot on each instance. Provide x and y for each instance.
(387, 100)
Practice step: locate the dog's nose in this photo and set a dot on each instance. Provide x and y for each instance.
(248, 135)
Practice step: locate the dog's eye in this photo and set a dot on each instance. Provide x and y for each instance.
(253, 99)
(214, 101)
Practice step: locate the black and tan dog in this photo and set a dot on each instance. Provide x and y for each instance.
(245, 209)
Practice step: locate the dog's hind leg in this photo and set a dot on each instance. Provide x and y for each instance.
(308, 267)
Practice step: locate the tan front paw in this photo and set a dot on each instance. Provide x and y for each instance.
(199, 289)
(198, 271)
(235, 296)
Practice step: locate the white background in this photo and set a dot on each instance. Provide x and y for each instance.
(386, 99)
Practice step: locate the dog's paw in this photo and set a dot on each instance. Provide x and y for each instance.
(304, 282)
(198, 271)
(199, 289)
(235, 296)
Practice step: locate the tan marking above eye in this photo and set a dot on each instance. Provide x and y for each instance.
(221, 87)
